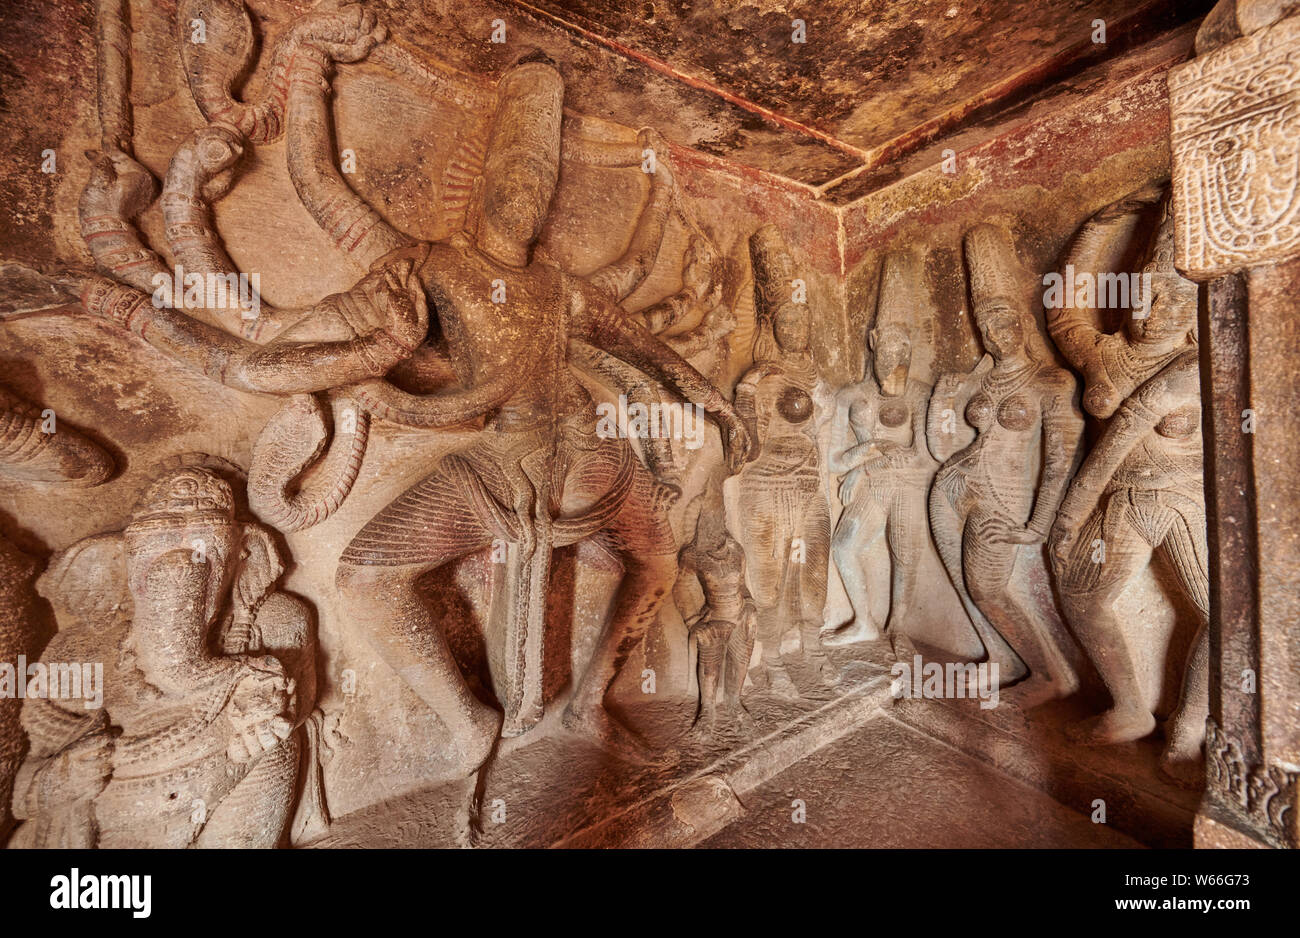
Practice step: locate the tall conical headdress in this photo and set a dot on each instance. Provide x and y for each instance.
(899, 302)
(773, 274)
(998, 278)
(521, 151)
(994, 267)
(772, 270)
(1165, 277)
(904, 301)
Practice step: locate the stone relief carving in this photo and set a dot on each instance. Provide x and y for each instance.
(1140, 488)
(986, 501)
(784, 527)
(725, 626)
(35, 448)
(209, 733)
(878, 449)
(238, 339)
(1232, 111)
(208, 677)
(705, 345)
(536, 477)
(1265, 794)
(1234, 151)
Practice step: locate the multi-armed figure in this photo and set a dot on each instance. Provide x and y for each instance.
(705, 345)
(536, 476)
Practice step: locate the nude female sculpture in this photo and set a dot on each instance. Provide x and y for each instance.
(984, 503)
(784, 522)
(1140, 489)
(536, 475)
(878, 449)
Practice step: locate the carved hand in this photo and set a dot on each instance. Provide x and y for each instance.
(125, 185)
(260, 711)
(720, 320)
(649, 137)
(346, 35)
(1002, 532)
(403, 316)
(948, 384)
(218, 150)
(641, 319)
(735, 439)
(1065, 527)
(848, 484)
(79, 772)
(1061, 540)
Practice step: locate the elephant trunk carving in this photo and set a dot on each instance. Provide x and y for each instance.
(292, 445)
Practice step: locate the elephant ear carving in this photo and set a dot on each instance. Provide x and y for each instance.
(86, 583)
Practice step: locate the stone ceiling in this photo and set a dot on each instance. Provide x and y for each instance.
(875, 80)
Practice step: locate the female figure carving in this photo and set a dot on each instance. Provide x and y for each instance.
(784, 522)
(1140, 489)
(878, 448)
(986, 501)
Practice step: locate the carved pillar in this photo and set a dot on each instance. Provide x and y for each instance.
(1236, 145)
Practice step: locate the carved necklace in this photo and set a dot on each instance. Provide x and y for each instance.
(998, 385)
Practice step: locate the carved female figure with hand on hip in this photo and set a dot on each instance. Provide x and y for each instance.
(986, 501)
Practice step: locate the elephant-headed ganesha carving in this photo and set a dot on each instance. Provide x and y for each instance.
(206, 680)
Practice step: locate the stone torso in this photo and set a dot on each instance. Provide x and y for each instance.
(720, 573)
(525, 332)
(890, 421)
(786, 405)
(1007, 415)
(1170, 456)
